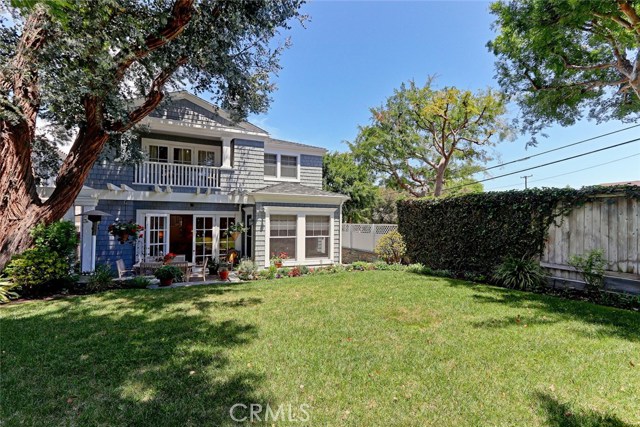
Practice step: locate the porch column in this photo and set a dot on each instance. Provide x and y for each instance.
(226, 153)
(86, 241)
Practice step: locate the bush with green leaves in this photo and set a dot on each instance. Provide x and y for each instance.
(7, 291)
(60, 237)
(247, 270)
(101, 279)
(520, 273)
(391, 247)
(38, 270)
(269, 272)
(591, 265)
(140, 282)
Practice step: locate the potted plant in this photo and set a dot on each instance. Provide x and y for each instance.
(277, 259)
(236, 230)
(213, 266)
(223, 272)
(125, 231)
(167, 274)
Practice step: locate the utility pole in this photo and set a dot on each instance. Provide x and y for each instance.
(526, 177)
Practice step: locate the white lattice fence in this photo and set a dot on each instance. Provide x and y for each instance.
(364, 237)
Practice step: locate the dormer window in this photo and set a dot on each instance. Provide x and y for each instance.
(281, 167)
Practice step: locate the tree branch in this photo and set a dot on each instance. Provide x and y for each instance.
(181, 14)
(631, 14)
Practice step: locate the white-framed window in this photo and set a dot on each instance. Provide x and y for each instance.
(271, 165)
(280, 166)
(182, 153)
(182, 156)
(317, 236)
(282, 235)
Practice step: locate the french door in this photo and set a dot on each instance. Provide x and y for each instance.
(205, 238)
(157, 235)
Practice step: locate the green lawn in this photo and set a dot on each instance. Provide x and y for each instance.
(362, 349)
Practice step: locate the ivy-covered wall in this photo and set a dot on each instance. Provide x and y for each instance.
(474, 233)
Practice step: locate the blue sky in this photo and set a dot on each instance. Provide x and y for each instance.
(352, 54)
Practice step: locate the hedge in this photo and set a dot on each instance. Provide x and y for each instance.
(474, 233)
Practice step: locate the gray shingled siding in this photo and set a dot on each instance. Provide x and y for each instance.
(311, 171)
(248, 167)
(108, 249)
(108, 171)
(187, 111)
(260, 230)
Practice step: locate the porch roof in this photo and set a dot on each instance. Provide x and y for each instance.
(294, 190)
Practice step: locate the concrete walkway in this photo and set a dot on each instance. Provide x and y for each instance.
(211, 280)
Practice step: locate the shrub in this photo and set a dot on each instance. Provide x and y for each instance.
(391, 247)
(136, 283)
(101, 279)
(247, 270)
(168, 272)
(295, 272)
(591, 265)
(268, 273)
(381, 265)
(520, 273)
(38, 270)
(60, 237)
(304, 269)
(476, 232)
(362, 266)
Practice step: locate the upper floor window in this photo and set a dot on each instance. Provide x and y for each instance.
(280, 166)
(289, 166)
(158, 153)
(182, 156)
(270, 165)
(206, 158)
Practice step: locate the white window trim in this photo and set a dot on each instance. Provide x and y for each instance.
(278, 176)
(146, 142)
(301, 214)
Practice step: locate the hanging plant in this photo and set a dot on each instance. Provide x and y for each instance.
(126, 231)
(236, 230)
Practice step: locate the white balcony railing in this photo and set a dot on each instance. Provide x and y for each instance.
(177, 175)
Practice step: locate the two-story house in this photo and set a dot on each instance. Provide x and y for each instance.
(204, 173)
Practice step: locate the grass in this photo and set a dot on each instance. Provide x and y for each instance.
(364, 348)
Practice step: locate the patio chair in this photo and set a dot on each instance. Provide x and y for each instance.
(123, 272)
(180, 258)
(184, 266)
(200, 271)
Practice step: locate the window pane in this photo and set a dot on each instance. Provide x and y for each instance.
(182, 156)
(270, 164)
(289, 166)
(158, 153)
(206, 158)
(287, 245)
(283, 225)
(316, 247)
(317, 225)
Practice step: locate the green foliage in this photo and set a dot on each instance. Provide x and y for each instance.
(591, 265)
(476, 232)
(101, 279)
(37, 270)
(520, 273)
(343, 175)
(168, 272)
(136, 283)
(424, 139)
(60, 237)
(391, 247)
(388, 266)
(268, 273)
(385, 210)
(7, 291)
(247, 270)
(560, 58)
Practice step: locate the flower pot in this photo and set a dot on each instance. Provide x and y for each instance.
(278, 264)
(235, 235)
(224, 275)
(166, 282)
(123, 238)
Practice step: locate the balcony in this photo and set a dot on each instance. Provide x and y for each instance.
(177, 175)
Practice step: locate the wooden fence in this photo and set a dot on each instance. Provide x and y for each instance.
(610, 223)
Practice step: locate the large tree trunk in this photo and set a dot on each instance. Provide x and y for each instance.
(439, 184)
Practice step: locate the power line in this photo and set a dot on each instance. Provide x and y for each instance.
(569, 173)
(522, 159)
(548, 163)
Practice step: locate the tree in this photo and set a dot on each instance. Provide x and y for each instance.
(342, 174)
(424, 138)
(98, 68)
(561, 58)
